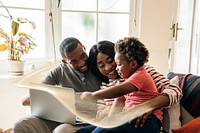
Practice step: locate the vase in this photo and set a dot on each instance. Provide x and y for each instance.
(16, 67)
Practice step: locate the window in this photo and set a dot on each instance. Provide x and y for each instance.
(89, 21)
(33, 11)
(195, 53)
(96, 20)
(186, 47)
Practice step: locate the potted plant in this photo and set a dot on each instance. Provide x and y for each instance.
(18, 43)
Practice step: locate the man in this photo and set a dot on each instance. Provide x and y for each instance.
(75, 73)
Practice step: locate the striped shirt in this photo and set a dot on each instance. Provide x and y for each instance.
(112, 82)
(164, 86)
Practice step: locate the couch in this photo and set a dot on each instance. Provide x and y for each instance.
(188, 108)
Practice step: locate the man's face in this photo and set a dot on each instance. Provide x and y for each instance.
(77, 59)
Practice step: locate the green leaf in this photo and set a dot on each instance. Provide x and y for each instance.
(15, 27)
(25, 20)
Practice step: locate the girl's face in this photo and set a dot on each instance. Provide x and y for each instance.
(124, 68)
(106, 65)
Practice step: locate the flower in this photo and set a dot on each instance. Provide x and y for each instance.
(18, 43)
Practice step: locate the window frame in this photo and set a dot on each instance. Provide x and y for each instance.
(53, 36)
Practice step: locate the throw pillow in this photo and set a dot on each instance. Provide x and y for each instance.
(171, 119)
(190, 85)
(190, 127)
(185, 116)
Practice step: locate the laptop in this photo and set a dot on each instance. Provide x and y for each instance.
(44, 104)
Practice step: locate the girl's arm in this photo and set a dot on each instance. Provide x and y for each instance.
(115, 91)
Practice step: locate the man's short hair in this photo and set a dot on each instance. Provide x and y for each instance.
(67, 45)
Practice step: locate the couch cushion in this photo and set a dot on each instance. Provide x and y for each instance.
(190, 85)
(185, 116)
(171, 116)
(191, 127)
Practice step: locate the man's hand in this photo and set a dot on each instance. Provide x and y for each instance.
(26, 101)
(141, 119)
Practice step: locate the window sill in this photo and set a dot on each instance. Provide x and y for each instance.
(37, 63)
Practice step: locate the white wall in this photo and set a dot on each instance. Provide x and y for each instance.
(10, 101)
(11, 96)
(155, 25)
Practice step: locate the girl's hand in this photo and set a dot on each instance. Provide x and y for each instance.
(86, 96)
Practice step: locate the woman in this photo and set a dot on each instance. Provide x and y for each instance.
(101, 58)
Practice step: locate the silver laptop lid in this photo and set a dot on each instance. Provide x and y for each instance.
(45, 105)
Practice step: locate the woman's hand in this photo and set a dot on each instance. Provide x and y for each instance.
(142, 119)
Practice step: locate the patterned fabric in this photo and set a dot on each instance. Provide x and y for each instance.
(104, 85)
(190, 85)
(164, 86)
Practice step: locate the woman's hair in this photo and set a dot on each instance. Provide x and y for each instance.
(105, 47)
(132, 49)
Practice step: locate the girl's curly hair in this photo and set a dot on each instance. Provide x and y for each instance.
(132, 49)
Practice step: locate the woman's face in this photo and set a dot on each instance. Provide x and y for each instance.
(106, 66)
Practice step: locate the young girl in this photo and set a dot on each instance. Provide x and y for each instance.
(138, 87)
